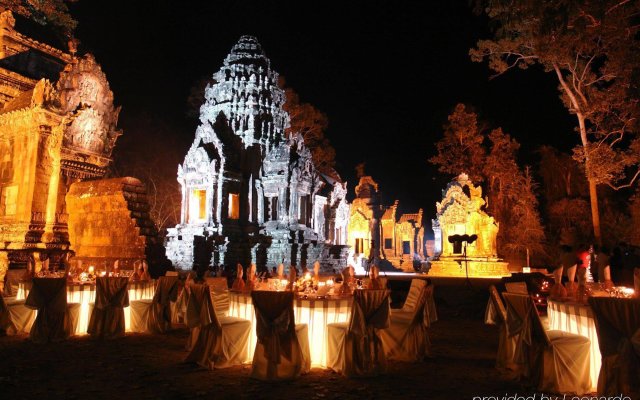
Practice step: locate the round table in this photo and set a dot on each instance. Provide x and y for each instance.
(577, 318)
(85, 295)
(316, 313)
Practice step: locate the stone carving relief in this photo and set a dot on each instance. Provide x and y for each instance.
(87, 100)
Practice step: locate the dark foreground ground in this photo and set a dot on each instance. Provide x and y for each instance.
(150, 367)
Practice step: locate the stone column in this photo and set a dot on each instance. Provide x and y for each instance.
(260, 200)
(51, 162)
(282, 205)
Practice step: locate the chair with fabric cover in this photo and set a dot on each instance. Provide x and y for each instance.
(617, 322)
(215, 342)
(415, 291)
(220, 291)
(55, 320)
(496, 314)
(553, 361)
(355, 347)
(154, 315)
(282, 348)
(516, 287)
(107, 317)
(407, 338)
(558, 291)
(15, 317)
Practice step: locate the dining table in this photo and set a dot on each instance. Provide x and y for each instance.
(84, 293)
(315, 311)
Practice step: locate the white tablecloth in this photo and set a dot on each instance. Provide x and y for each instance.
(577, 318)
(85, 294)
(315, 313)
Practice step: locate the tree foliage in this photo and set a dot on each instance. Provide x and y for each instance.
(311, 123)
(45, 12)
(489, 157)
(593, 49)
(155, 162)
(461, 147)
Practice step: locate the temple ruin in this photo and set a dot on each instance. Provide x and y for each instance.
(460, 213)
(250, 191)
(58, 126)
(378, 233)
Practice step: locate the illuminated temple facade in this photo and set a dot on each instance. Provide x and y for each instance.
(250, 190)
(378, 233)
(57, 129)
(461, 213)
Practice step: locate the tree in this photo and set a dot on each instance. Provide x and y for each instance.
(592, 48)
(155, 162)
(311, 123)
(460, 149)
(489, 157)
(44, 12)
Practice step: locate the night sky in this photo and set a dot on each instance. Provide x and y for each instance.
(386, 73)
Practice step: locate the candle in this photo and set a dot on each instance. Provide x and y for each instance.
(329, 282)
(91, 270)
(307, 276)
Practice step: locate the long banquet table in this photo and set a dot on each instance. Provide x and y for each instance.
(316, 313)
(85, 295)
(577, 318)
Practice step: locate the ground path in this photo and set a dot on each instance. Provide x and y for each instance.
(150, 367)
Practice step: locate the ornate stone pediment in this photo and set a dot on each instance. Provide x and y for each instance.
(87, 101)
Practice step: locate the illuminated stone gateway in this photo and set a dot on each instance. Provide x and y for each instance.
(250, 191)
(378, 234)
(460, 213)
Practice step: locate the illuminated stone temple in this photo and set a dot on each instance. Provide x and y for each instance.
(460, 213)
(57, 128)
(378, 232)
(250, 190)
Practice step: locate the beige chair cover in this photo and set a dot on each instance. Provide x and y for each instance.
(214, 342)
(15, 317)
(415, 291)
(155, 315)
(252, 279)
(617, 323)
(49, 297)
(355, 349)
(496, 314)
(554, 361)
(238, 283)
(107, 317)
(516, 287)
(220, 292)
(375, 281)
(407, 338)
(558, 291)
(293, 277)
(282, 350)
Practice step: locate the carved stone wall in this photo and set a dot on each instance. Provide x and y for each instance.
(460, 213)
(248, 187)
(109, 220)
(57, 127)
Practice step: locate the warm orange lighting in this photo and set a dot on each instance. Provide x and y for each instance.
(234, 206)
